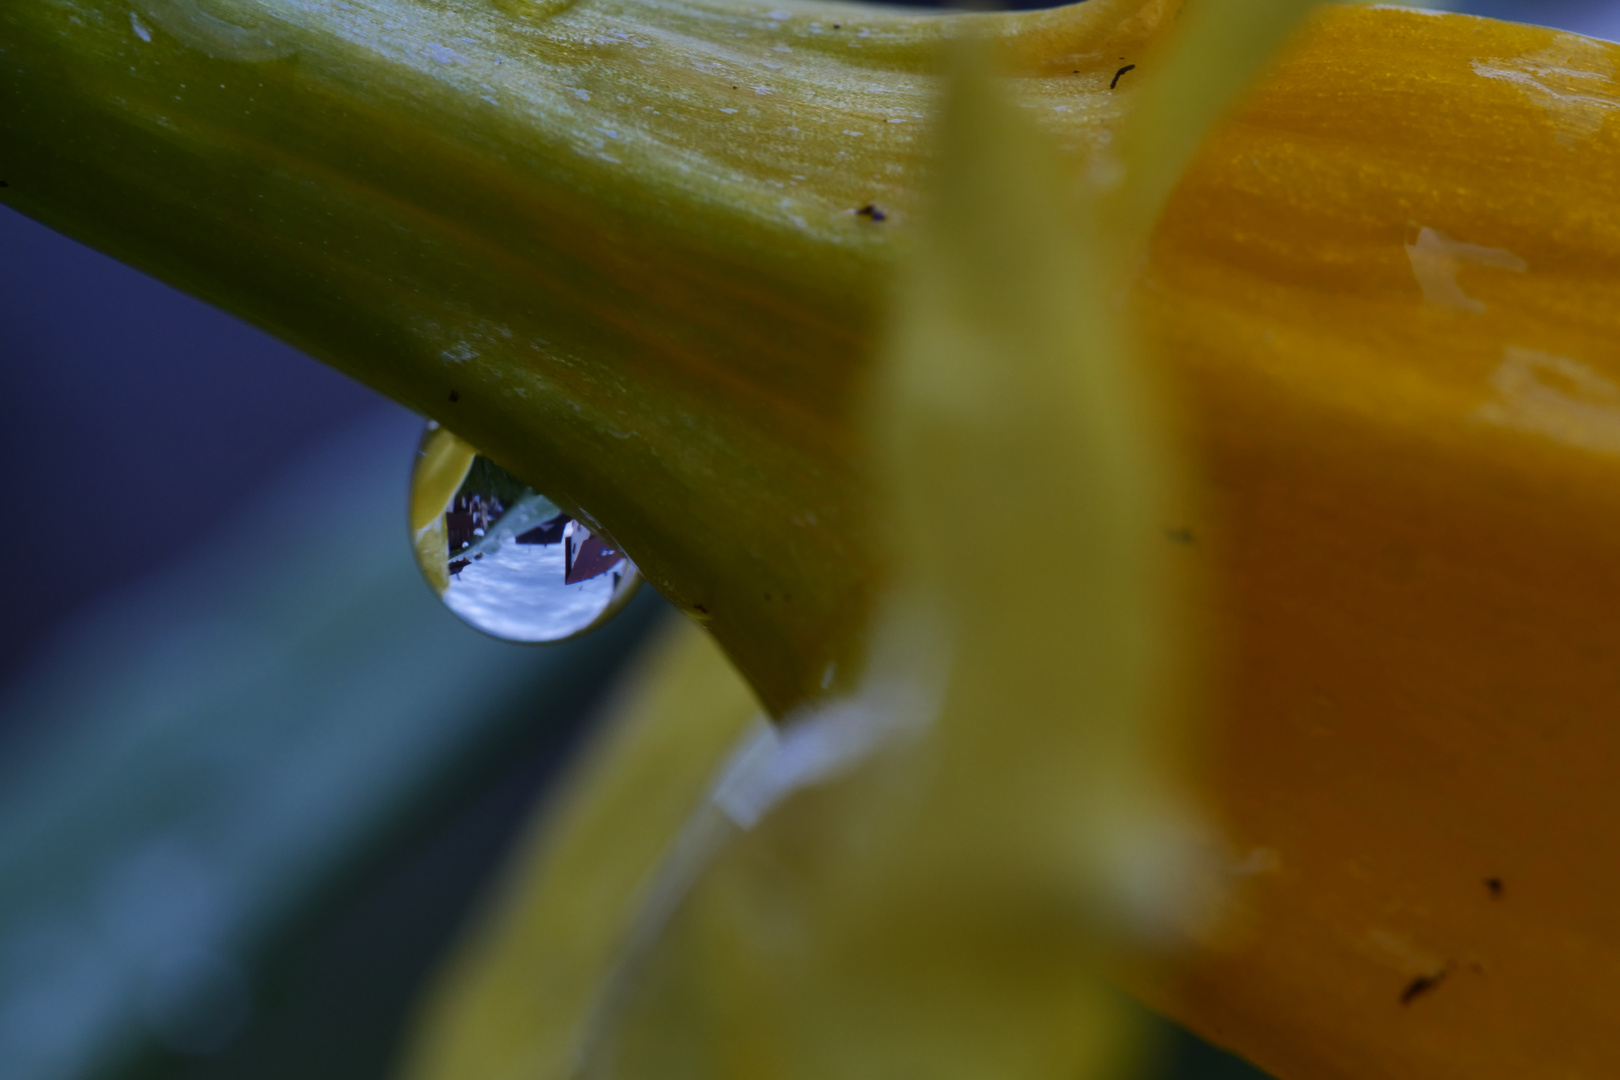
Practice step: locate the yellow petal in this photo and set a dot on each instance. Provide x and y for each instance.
(1024, 472)
(443, 465)
(519, 1001)
(1391, 289)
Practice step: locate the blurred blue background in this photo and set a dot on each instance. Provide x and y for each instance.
(252, 776)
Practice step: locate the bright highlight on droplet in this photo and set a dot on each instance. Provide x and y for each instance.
(504, 557)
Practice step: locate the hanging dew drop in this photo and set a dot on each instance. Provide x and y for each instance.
(502, 556)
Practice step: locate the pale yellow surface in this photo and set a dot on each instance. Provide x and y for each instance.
(517, 1002)
(442, 463)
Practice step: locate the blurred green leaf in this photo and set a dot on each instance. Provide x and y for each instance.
(205, 766)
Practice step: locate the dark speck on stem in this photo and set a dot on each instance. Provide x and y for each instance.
(455, 395)
(1494, 884)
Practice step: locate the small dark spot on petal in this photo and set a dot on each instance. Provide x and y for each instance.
(1182, 535)
(838, 26)
(1495, 885)
(872, 211)
(1121, 71)
(455, 395)
(1422, 985)
(4, 184)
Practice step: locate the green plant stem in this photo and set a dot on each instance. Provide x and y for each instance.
(616, 246)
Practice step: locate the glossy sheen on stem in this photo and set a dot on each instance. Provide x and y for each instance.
(620, 247)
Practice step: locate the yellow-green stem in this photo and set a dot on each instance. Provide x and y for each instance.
(618, 246)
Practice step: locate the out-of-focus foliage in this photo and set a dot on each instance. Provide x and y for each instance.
(211, 761)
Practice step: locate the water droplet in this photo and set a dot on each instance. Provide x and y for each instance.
(504, 557)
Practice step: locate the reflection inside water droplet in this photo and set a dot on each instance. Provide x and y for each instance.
(504, 557)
